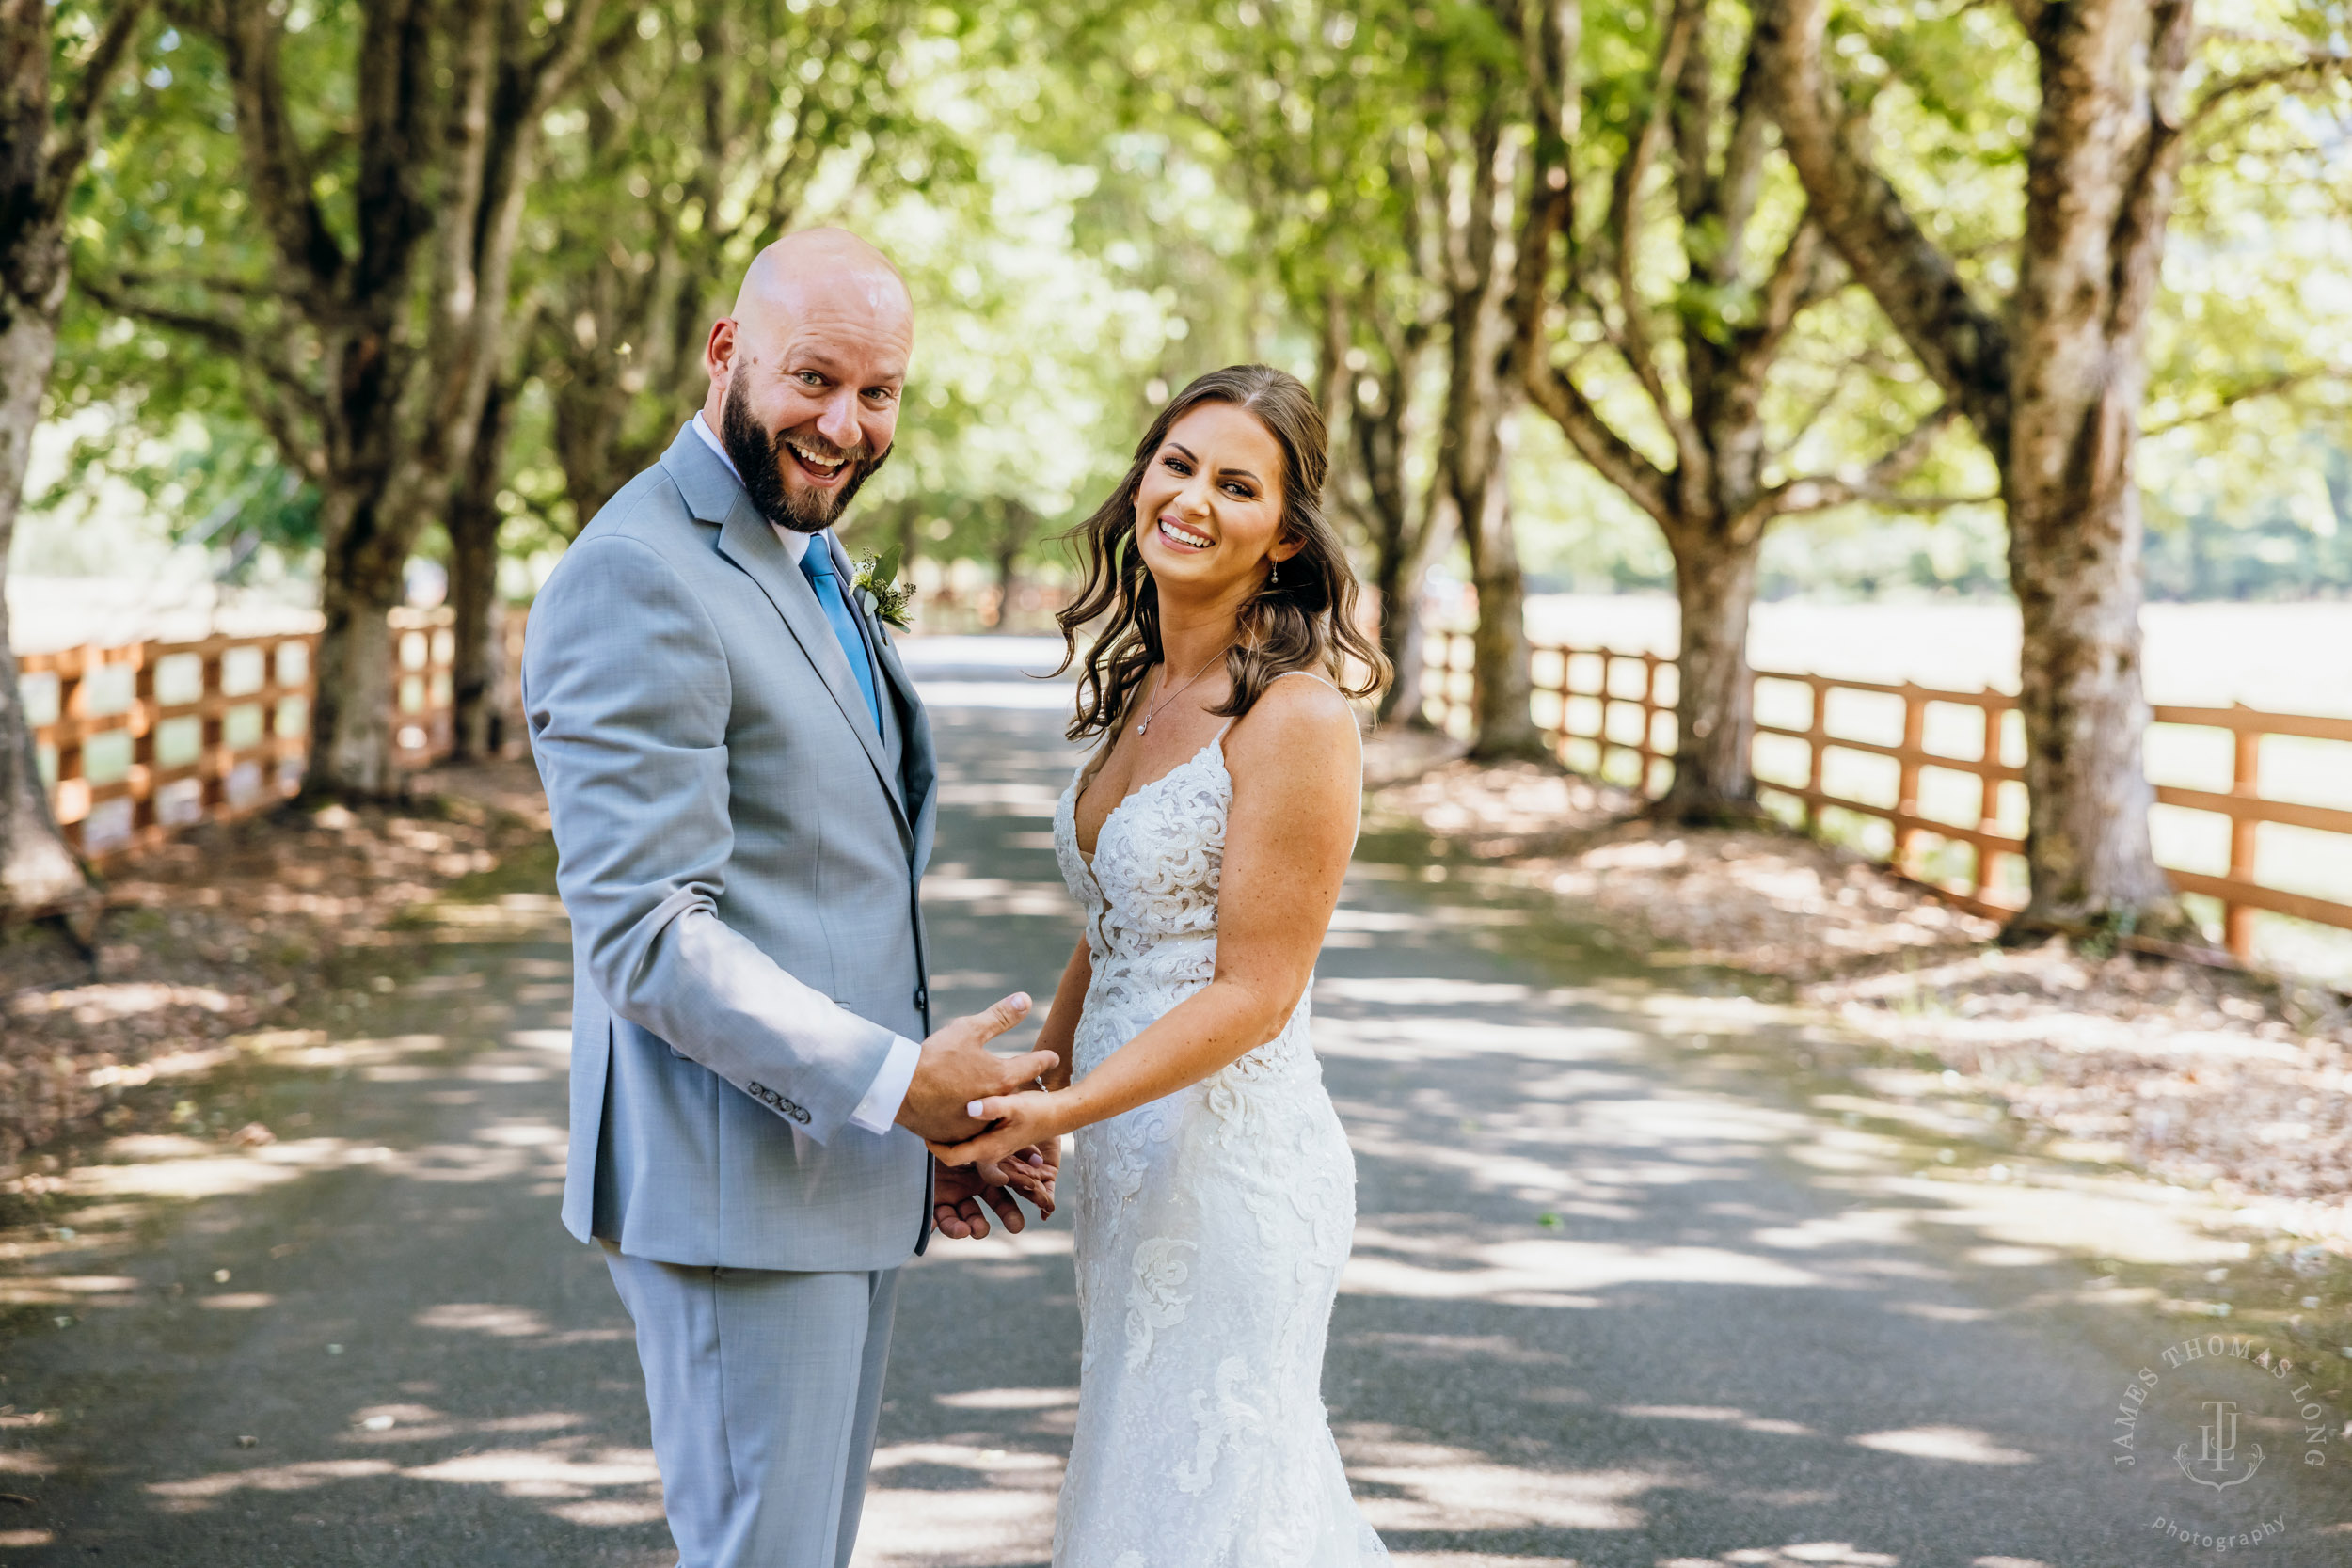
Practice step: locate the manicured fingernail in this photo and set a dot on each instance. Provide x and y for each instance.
(973, 1110)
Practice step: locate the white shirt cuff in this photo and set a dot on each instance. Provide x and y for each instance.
(879, 1111)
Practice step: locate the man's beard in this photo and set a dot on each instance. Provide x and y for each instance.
(759, 458)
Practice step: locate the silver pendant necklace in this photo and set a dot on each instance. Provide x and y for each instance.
(1160, 706)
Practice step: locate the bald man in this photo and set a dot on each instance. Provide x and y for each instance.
(741, 781)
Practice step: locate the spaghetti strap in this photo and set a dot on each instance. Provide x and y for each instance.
(1311, 675)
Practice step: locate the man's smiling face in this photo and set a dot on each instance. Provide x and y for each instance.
(807, 377)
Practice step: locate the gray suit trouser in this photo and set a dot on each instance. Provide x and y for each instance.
(764, 1387)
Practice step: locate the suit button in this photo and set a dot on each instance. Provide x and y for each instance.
(922, 996)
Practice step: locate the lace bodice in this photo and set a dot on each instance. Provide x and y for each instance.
(1210, 1227)
(1150, 893)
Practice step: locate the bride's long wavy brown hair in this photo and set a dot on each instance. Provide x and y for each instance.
(1304, 618)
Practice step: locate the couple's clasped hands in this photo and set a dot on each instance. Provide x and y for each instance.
(977, 1163)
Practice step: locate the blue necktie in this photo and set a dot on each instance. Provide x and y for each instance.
(817, 565)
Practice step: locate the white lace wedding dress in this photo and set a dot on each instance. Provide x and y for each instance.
(1211, 1228)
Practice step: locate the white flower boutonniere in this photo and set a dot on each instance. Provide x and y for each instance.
(879, 591)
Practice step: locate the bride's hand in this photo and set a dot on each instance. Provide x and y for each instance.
(1029, 1171)
(958, 1191)
(1036, 1117)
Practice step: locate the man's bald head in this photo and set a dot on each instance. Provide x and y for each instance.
(805, 376)
(825, 267)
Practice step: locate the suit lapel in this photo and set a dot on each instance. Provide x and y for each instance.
(715, 496)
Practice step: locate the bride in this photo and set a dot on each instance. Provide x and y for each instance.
(1206, 836)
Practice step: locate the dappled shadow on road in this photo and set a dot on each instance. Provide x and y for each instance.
(365, 1345)
(1817, 1325)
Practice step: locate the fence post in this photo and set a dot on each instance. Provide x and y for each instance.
(2237, 920)
(142, 725)
(71, 666)
(1907, 780)
(1465, 643)
(1436, 702)
(1453, 697)
(1557, 732)
(1436, 652)
(1816, 741)
(213, 770)
(1436, 669)
(299, 744)
(1649, 719)
(1988, 798)
(1466, 706)
(1609, 698)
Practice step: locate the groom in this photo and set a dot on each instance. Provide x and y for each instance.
(741, 781)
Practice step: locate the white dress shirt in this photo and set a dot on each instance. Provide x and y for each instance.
(879, 1111)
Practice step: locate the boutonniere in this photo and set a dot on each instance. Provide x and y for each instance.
(877, 588)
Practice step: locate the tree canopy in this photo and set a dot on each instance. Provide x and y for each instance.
(1590, 295)
(1224, 167)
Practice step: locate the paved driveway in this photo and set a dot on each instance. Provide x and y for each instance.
(1630, 1287)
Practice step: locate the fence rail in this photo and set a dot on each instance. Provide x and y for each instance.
(1599, 705)
(138, 741)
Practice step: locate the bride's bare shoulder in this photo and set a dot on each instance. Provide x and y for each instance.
(1298, 720)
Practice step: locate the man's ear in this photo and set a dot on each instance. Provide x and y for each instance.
(719, 351)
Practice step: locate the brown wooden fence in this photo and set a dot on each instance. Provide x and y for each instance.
(1948, 803)
(141, 739)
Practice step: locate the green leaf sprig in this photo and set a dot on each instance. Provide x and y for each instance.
(877, 579)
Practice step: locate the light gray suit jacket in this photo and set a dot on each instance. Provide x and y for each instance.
(740, 853)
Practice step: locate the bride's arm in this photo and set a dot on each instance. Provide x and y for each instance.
(1297, 771)
(1060, 1031)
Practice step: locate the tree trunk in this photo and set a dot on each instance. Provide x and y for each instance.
(2053, 384)
(1475, 459)
(446, 113)
(1505, 722)
(590, 401)
(1008, 583)
(1334, 380)
(1399, 575)
(1714, 696)
(44, 140)
(473, 567)
(1406, 532)
(473, 570)
(37, 870)
(910, 535)
(2074, 566)
(1505, 717)
(1012, 537)
(351, 722)
(2100, 179)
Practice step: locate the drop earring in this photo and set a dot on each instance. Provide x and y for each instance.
(1274, 576)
